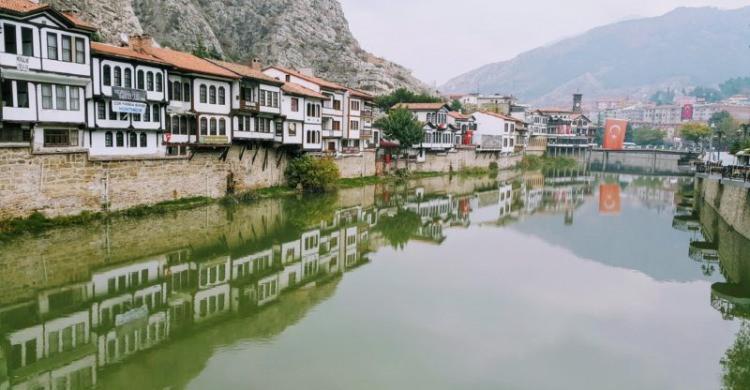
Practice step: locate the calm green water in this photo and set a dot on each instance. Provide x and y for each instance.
(520, 282)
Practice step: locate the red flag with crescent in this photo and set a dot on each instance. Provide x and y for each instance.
(614, 134)
(609, 199)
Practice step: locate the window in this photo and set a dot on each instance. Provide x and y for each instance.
(241, 123)
(295, 105)
(354, 125)
(292, 129)
(139, 80)
(212, 95)
(213, 126)
(147, 113)
(22, 94)
(156, 113)
(46, 96)
(222, 95)
(12, 132)
(52, 46)
(149, 81)
(128, 78)
(75, 102)
(60, 137)
(204, 126)
(133, 140)
(120, 139)
(106, 75)
(177, 91)
(337, 105)
(176, 125)
(80, 51)
(27, 41)
(67, 48)
(144, 140)
(203, 94)
(222, 126)
(186, 91)
(355, 105)
(7, 88)
(182, 125)
(61, 97)
(10, 38)
(159, 82)
(336, 126)
(108, 143)
(118, 77)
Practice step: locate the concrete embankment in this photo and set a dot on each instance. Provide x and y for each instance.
(729, 198)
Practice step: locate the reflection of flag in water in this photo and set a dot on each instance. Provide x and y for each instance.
(609, 199)
(614, 134)
(464, 206)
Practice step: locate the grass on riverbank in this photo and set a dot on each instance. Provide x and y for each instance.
(545, 163)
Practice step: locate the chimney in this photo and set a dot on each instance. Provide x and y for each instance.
(141, 42)
(256, 64)
(307, 72)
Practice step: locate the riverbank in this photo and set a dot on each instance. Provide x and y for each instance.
(69, 184)
(38, 223)
(729, 198)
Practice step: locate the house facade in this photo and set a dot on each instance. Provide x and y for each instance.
(127, 105)
(45, 60)
(439, 135)
(498, 132)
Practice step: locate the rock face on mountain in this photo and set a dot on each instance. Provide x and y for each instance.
(686, 47)
(294, 33)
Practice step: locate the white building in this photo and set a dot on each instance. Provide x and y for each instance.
(199, 113)
(46, 71)
(302, 108)
(341, 110)
(496, 132)
(126, 111)
(438, 134)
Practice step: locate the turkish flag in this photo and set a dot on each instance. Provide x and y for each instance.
(614, 134)
(609, 199)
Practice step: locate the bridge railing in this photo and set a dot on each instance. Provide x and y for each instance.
(733, 172)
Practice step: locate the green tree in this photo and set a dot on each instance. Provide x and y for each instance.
(456, 105)
(710, 95)
(724, 127)
(694, 131)
(403, 95)
(663, 97)
(735, 86)
(649, 136)
(398, 229)
(202, 51)
(736, 361)
(312, 173)
(401, 125)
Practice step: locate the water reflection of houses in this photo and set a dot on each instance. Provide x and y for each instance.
(59, 339)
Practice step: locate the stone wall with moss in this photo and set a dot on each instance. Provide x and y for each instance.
(730, 199)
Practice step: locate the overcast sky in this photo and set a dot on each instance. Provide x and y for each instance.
(440, 39)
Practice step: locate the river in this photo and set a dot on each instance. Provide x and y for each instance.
(523, 281)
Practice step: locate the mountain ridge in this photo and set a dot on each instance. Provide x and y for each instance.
(300, 34)
(634, 57)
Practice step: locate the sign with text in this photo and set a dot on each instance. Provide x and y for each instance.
(609, 199)
(129, 94)
(214, 139)
(614, 134)
(22, 63)
(128, 107)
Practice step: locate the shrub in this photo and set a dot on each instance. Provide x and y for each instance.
(312, 174)
(494, 166)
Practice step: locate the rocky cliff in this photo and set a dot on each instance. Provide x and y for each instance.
(295, 33)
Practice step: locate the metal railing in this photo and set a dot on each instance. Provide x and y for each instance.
(733, 172)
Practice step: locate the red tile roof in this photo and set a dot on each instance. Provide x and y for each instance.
(317, 80)
(296, 89)
(503, 117)
(25, 6)
(458, 115)
(360, 94)
(124, 52)
(420, 106)
(190, 63)
(246, 71)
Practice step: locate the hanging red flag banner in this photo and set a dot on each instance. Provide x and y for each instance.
(614, 134)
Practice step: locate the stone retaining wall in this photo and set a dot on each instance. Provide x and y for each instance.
(70, 183)
(730, 199)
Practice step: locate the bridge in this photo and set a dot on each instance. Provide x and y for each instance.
(643, 160)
